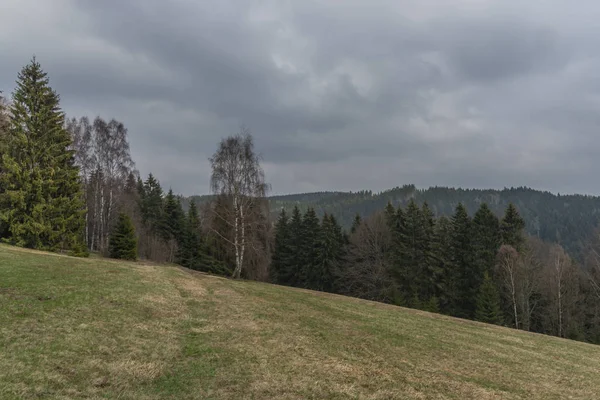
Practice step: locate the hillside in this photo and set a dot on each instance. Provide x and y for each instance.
(90, 328)
(565, 219)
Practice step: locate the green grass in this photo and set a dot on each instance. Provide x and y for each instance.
(91, 328)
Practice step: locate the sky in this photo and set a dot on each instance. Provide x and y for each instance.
(339, 95)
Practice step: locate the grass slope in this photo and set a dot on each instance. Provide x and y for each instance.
(74, 328)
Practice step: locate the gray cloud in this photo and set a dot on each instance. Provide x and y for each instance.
(339, 95)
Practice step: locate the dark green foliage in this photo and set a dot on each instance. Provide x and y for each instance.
(151, 203)
(172, 218)
(486, 239)
(122, 242)
(290, 272)
(463, 274)
(312, 274)
(488, 302)
(282, 256)
(355, 223)
(41, 200)
(512, 228)
(442, 251)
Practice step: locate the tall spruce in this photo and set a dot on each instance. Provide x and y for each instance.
(290, 272)
(463, 268)
(488, 302)
(122, 241)
(311, 272)
(429, 272)
(442, 251)
(41, 201)
(486, 241)
(282, 256)
(512, 226)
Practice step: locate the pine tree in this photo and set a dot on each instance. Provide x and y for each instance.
(488, 302)
(463, 268)
(41, 201)
(122, 242)
(486, 242)
(282, 258)
(512, 226)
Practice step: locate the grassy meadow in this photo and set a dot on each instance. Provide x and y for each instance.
(102, 329)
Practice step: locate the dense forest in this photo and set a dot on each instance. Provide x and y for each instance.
(517, 257)
(565, 219)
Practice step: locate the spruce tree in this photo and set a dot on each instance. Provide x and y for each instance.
(463, 268)
(172, 218)
(486, 242)
(429, 271)
(41, 201)
(151, 204)
(291, 272)
(280, 262)
(488, 302)
(122, 242)
(512, 226)
(311, 273)
(446, 284)
(355, 223)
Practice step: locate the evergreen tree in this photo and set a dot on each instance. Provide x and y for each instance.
(446, 285)
(486, 242)
(291, 272)
(311, 272)
(390, 215)
(122, 242)
(464, 275)
(355, 223)
(282, 258)
(488, 302)
(41, 201)
(151, 204)
(512, 226)
(172, 219)
(429, 272)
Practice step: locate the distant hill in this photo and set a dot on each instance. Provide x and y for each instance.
(565, 219)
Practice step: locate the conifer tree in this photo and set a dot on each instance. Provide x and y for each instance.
(311, 273)
(488, 302)
(512, 226)
(429, 273)
(355, 223)
(390, 215)
(446, 284)
(122, 242)
(151, 203)
(41, 201)
(486, 242)
(282, 258)
(290, 273)
(172, 219)
(463, 269)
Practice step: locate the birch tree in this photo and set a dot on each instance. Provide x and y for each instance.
(508, 271)
(239, 180)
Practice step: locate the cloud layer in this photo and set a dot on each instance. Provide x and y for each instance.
(339, 95)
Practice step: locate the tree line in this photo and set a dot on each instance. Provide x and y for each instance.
(71, 185)
(477, 267)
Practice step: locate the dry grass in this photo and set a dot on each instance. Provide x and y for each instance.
(76, 328)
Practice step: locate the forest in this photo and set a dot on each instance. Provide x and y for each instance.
(518, 257)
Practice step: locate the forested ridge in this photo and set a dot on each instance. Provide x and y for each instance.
(516, 257)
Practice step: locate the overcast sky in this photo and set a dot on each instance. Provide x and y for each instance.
(340, 95)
